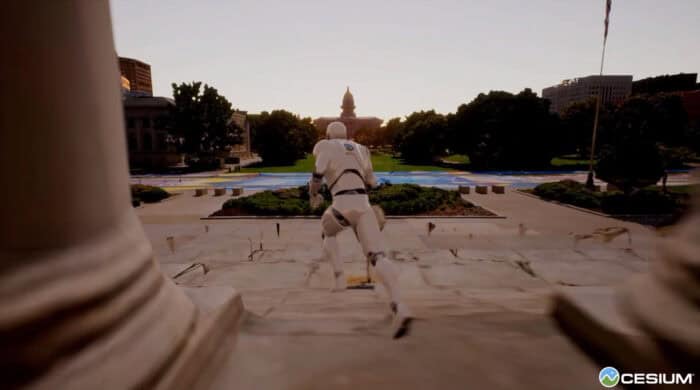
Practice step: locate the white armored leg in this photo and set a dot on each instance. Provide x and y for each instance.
(331, 251)
(371, 239)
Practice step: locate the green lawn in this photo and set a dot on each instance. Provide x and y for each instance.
(457, 159)
(564, 161)
(380, 161)
(384, 162)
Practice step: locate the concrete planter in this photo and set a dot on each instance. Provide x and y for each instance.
(483, 190)
(464, 189)
(200, 192)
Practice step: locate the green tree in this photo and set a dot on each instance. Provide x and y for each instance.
(390, 130)
(384, 135)
(367, 136)
(500, 130)
(630, 157)
(577, 126)
(281, 138)
(669, 120)
(421, 137)
(202, 120)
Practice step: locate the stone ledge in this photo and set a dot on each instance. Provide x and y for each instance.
(220, 312)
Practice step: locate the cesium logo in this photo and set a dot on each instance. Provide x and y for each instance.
(610, 377)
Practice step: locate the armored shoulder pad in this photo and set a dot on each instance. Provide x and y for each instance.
(320, 145)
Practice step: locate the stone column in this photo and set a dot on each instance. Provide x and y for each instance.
(82, 302)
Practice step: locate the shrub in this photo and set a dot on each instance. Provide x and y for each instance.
(411, 199)
(402, 199)
(568, 191)
(646, 201)
(147, 194)
(290, 201)
(630, 166)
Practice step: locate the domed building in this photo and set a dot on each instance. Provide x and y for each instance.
(348, 117)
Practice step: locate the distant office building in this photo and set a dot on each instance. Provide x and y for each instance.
(691, 103)
(139, 75)
(613, 89)
(347, 116)
(242, 150)
(666, 83)
(147, 120)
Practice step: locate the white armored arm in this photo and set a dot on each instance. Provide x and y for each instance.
(370, 178)
(320, 166)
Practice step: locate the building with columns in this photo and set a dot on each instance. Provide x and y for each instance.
(348, 117)
(147, 134)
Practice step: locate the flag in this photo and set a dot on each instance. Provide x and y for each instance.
(608, 4)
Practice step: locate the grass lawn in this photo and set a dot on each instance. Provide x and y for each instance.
(566, 161)
(384, 162)
(457, 159)
(380, 161)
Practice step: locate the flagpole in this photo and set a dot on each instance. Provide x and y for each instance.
(589, 181)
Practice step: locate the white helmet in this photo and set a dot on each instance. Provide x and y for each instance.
(336, 130)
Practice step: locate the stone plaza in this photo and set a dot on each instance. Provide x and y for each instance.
(480, 287)
(95, 293)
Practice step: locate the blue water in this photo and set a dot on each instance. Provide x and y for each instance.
(446, 180)
(267, 181)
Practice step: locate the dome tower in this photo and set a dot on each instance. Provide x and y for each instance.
(348, 105)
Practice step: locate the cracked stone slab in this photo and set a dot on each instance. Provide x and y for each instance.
(483, 274)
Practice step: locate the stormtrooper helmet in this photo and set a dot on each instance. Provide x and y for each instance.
(336, 130)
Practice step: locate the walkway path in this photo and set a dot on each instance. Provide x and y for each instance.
(479, 288)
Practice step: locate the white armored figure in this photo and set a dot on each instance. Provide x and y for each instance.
(347, 169)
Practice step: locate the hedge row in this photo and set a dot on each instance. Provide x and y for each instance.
(645, 201)
(400, 199)
(147, 194)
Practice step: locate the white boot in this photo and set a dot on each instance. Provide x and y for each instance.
(389, 276)
(403, 318)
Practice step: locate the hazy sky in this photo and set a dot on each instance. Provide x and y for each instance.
(397, 56)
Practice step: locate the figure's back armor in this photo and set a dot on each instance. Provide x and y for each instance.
(345, 165)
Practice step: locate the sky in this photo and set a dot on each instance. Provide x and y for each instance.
(397, 56)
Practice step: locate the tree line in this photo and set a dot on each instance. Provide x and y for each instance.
(638, 139)
(201, 127)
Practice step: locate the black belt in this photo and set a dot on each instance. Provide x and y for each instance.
(356, 191)
(353, 171)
